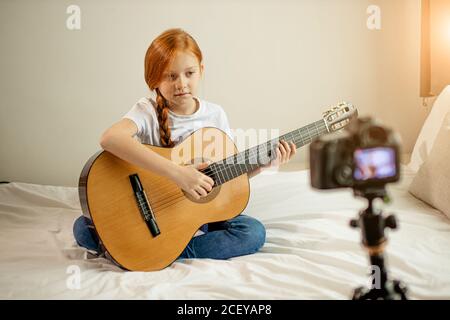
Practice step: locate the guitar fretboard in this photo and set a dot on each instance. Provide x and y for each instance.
(260, 155)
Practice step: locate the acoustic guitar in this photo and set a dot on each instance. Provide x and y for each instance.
(144, 221)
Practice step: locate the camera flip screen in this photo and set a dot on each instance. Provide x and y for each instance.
(374, 163)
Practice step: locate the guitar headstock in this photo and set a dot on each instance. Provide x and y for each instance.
(339, 116)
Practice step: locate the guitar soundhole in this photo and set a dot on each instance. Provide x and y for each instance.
(211, 195)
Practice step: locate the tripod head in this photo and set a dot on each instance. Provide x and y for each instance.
(372, 223)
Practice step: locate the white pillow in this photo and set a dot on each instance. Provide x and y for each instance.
(430, 129)
(432, 182)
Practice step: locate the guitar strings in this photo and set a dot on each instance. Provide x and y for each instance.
(236, 156)
(161, 203)
(168, 199)
(225, 162)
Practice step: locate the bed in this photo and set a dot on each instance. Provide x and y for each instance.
(310, 250)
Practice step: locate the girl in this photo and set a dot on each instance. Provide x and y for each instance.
(173, 69)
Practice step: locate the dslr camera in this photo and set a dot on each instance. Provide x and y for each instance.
(364, 156)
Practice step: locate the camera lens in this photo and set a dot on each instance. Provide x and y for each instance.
(343, 175)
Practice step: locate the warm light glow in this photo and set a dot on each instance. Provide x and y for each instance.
(425, 62)
(435, 47)
(448, 31)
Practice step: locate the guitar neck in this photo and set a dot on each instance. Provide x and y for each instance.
(260, 155)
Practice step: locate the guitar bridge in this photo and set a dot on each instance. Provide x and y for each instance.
(143, 205)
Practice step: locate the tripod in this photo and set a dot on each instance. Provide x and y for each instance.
(372, 224)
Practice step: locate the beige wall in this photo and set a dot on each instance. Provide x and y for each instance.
(270, 64)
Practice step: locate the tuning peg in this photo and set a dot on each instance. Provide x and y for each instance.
(354, 223)
(391, 222)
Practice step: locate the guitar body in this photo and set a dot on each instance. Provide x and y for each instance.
(144, 221)
(108, 199)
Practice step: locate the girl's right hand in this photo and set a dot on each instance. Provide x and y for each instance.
(193, 181)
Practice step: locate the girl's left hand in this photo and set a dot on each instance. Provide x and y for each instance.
(285, 151)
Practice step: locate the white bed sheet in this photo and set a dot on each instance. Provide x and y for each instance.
(310, 251)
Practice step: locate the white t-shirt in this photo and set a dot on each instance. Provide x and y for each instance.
(144, 114)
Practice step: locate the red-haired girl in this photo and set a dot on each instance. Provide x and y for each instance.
(173, 69)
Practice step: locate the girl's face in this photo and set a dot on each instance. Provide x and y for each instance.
(180, 80)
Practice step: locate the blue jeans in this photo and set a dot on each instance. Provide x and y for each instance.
(239, 236)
